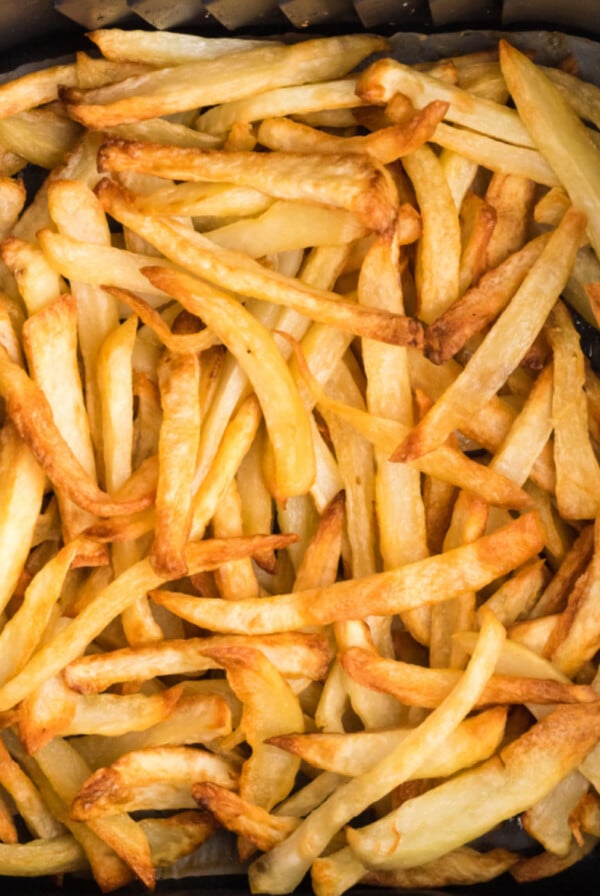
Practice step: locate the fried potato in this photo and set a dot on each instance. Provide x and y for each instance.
(298, 472)
(210, 81)
(157, 777)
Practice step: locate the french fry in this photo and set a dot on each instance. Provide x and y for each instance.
(157, 777)
(557, 752)
(282, 345)
(386, 77)
(349, 799)
(490, 366)
(386, 145)
(381, 594)
(210, 81)
(255, 351)
(438, 254)
(301, 100)
(350, 754)
(539, 103)
(160, 48)
(242, 275)
(352, 182)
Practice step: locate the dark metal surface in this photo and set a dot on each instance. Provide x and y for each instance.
(28, 19)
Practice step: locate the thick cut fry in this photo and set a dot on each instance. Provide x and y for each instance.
(351, 754)
(22, 482)
(504, 345)
(96, 265)
(577, 470)
(35, 89)
(302, 100)
(160, 48)
(558, 132)
(438, 253)
(386, 77)
(436, 578)
(295, 655)
(289, 225)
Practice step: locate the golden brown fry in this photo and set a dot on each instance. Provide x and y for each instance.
(386, 144)
(480, 304)
(504, 345)
(28, 408)
(354, 182)
(463, 569)
(417, 686)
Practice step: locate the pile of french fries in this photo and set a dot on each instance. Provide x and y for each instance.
(298, 464)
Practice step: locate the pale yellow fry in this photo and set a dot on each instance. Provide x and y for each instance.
(441, 577)
(438, 251)
(353, 753)
(41, 136)
(558, 132)
(78, 215)
(213, 201)
(577, 470)
(35, 88)
(525, 771)
(301, 100)
(386, 77)
(161, 48)
(47, 855)
(282, 868)
(37, 282)
(257, 354)
(22, 483)
(211, 81)
(495, 154)
(295, 655)
(504, 345)
(237, 437)
(243, 275)
(160, 130)
(288, 225)
(88, 263)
